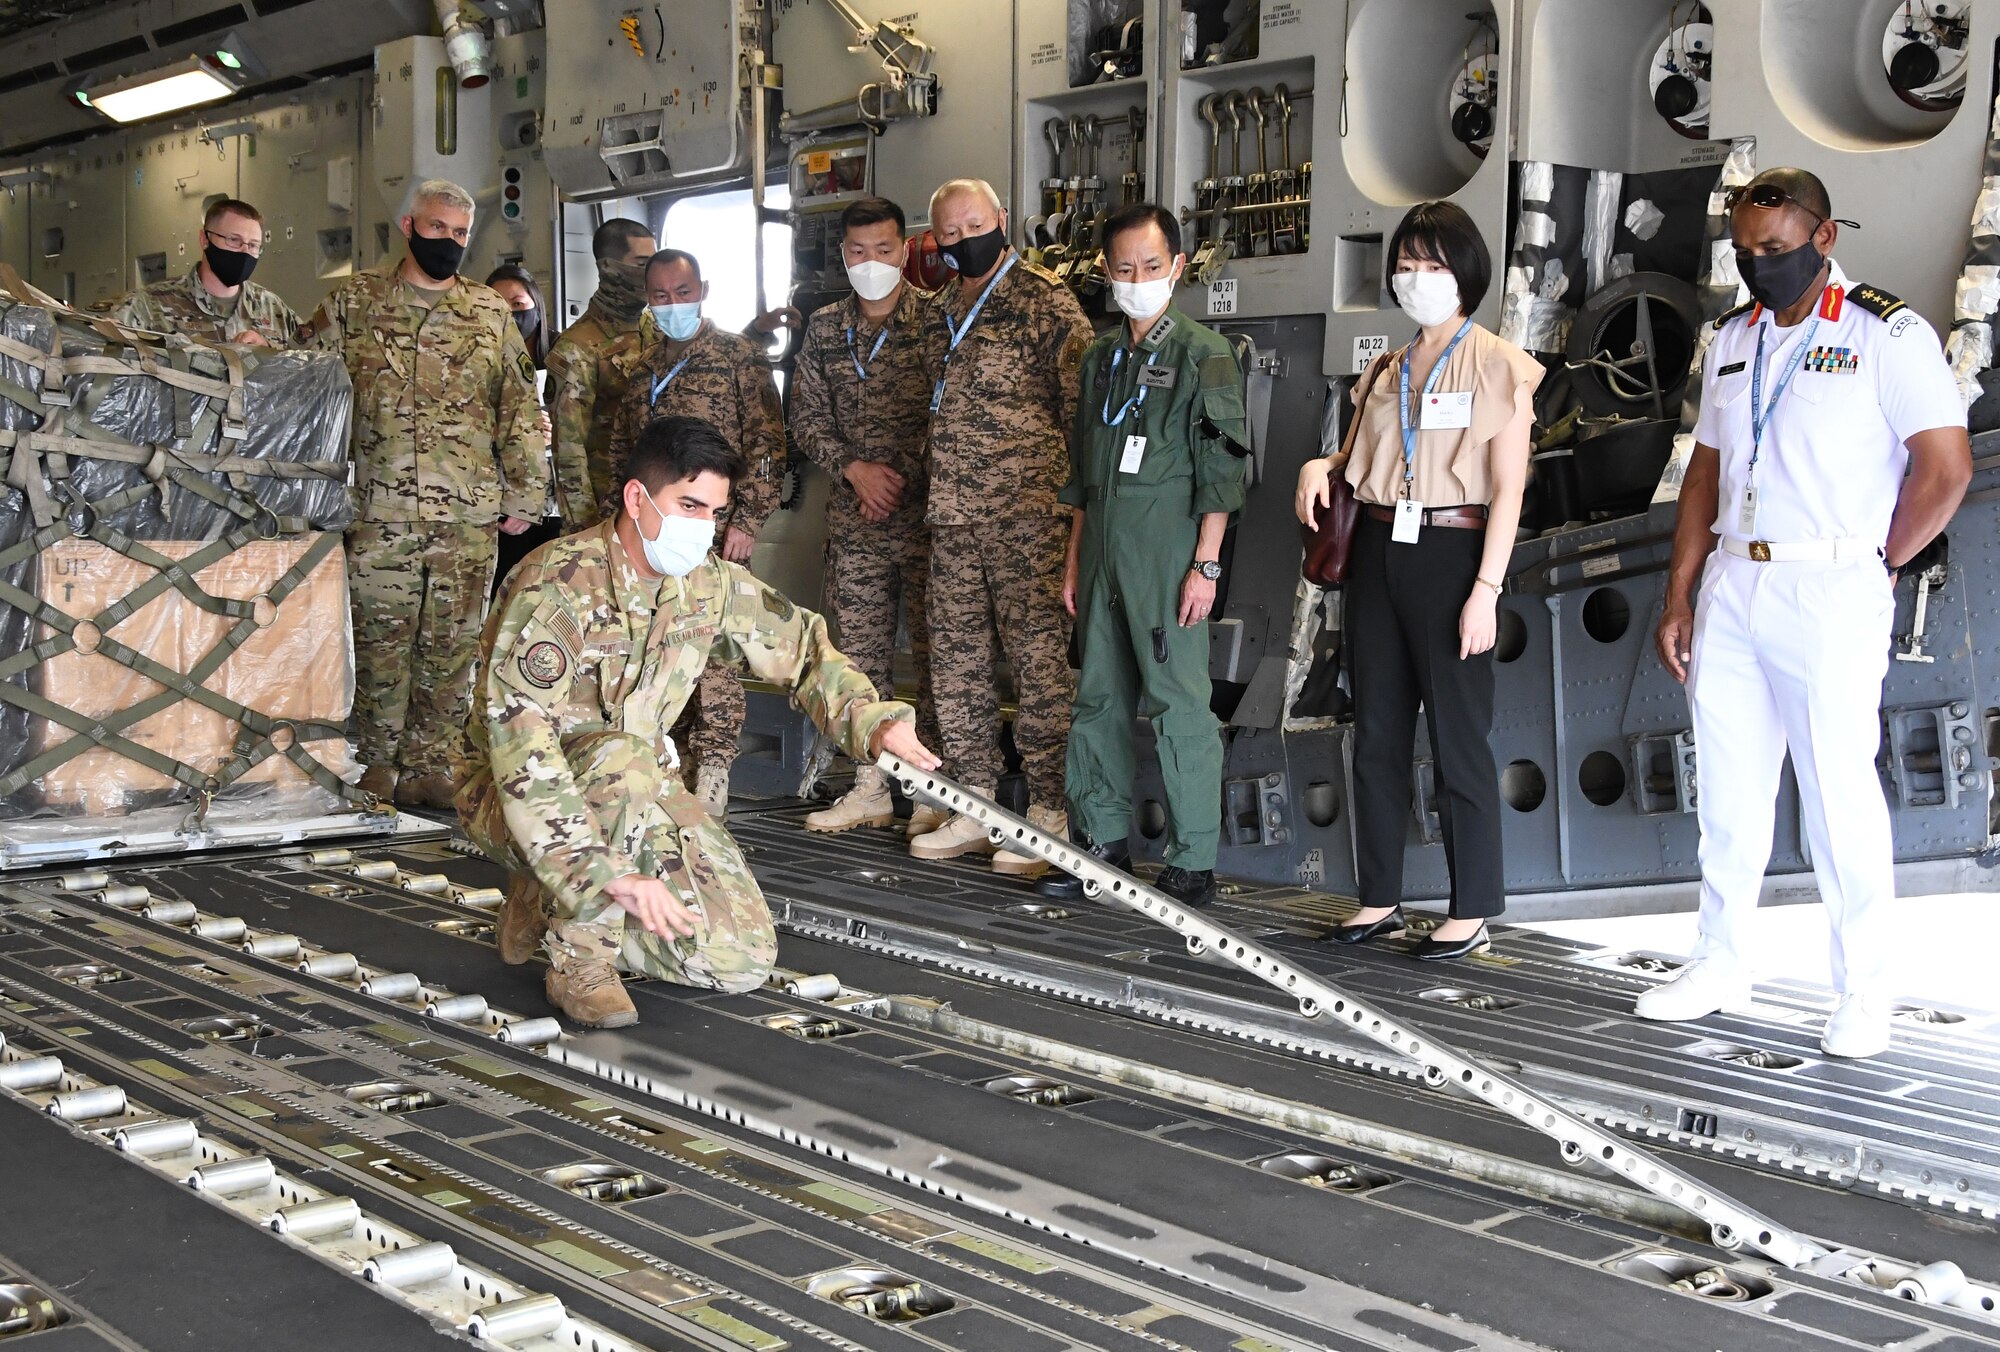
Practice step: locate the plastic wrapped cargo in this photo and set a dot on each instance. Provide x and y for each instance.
(176, 666)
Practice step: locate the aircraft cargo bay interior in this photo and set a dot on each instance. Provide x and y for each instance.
(999, 675)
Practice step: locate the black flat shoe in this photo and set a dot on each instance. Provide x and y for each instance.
(1064, 887)
(1430, 950)
(1390, 926)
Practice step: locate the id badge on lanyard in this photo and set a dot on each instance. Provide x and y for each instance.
(1409, 521)
(1760, 420)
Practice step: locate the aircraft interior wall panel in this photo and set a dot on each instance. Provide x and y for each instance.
(15, 206)
(1390, 66)
(526, 232)
(1584, 95)
(1793, 74)
(297, 146)
(965, 139)
(88, 208)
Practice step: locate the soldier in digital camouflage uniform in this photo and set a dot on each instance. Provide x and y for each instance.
(594, 648)
(216, 302)
(698, 371)
(447, 442)
(1007, 341)
(590, 366)
(860, 410)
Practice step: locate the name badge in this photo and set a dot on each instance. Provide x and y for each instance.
(1135, 451)
(1409, 521)
(1446, 409)
(1158, 377)
(1746, 517)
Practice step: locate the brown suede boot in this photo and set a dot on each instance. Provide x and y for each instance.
(379, 780)
(583, 979)
(522, 922)
(432, 791)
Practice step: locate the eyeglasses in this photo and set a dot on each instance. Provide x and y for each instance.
(253, 247)
(1769, 195)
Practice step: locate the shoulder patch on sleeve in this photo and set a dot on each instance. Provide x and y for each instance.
(1875, 300)
(777, 603)
(544, 663)
(543, 656)
(527, 368)
(1220, 371)
(1722, 320)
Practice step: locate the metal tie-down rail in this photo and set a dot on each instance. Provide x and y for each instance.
(1731, 1224)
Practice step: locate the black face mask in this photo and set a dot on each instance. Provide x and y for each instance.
(437, 259)
(230, 266)
(1777, 280)
(528, 320)
(975, 255)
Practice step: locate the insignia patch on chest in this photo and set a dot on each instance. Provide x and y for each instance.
(778, 605)
(543, 664)
(1835, 361)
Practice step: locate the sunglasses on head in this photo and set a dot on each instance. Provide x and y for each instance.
(1771, 195)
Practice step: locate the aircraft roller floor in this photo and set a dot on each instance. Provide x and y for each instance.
(982, 1157)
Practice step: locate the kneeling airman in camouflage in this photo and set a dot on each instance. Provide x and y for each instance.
(595, 646)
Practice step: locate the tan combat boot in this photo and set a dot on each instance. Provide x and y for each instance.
(433, 791)
(379, 780)
(924, 819)
(522, 922)
(1050, 821)
(866, 804)
(960, 835)
(583, 980)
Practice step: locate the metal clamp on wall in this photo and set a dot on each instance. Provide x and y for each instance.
(1731, 1224)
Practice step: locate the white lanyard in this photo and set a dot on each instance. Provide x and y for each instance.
(662, 382)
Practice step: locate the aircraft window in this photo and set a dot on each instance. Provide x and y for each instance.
(715, 227)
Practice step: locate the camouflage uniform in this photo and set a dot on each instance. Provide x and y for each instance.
(183, 305)
(447, 440)
(998, 453)
(585, 667)
(727, 385)
(838, 417)
(589, 368)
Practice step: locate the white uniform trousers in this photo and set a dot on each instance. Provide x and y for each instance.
(1792, 656)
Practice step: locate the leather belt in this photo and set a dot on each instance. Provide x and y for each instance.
(1456, 518)
(1803, 551)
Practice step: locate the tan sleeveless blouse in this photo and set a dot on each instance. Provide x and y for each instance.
(1452, 469)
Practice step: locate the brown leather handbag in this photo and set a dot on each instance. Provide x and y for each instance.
(1329, 546)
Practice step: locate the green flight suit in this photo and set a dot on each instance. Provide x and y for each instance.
(1139, 535)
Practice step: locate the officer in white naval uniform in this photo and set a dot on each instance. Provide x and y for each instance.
(1831, 447)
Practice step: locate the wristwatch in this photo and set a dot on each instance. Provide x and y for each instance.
(1208, 568)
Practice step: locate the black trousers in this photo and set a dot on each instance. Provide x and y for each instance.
(1402, 608)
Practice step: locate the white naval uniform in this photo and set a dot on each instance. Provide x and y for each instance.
(1791, 655)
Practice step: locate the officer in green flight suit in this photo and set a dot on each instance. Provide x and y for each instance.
(1156, 469)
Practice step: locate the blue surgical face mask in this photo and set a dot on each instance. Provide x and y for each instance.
(681, 545)
(678, 322)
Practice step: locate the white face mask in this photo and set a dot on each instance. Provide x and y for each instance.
(873, 280)
(681, 545)
(678, 321)
(1427, 297)
(1143, 300)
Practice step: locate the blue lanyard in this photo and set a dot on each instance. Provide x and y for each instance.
(971, 318)
(1403, 401)
(668, 378)
(873, 352)
(1137, 401)
(1760, 412)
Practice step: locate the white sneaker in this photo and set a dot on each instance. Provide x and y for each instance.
(960, 835)
(1858, 1028)
(1051, 821)
(1701, 989)
(866, 804)
(924, 819)
(711, 785)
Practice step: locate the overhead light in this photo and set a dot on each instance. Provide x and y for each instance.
(188, 83)
(233, 53)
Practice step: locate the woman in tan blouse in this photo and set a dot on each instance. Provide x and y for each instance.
(1438, 466)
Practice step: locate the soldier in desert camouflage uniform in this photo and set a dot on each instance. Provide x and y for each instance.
(590, 366)
(216, 302)
(1007, 341)
(860, 410)
(447, 441)
(597, 643)
(699, 371)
